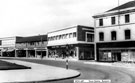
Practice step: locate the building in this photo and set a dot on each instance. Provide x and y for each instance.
(78, 41)
(114, 31)
(33, 46)
(8, 46)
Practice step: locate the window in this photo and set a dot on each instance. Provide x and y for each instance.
(127, 34)
(89, 37)
(70, 35)
(101, 36)
(66, 36)
(51, 38)
(54, 37)
(57, 37)
(113, 20)
(127, 18)
(31, 43)
(100, 22)
(74, 34)
(48, 38)
(0, 42)
(113, 35)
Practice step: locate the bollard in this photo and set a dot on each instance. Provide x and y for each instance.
(67, 64)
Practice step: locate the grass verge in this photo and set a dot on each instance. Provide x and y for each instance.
(11, 66)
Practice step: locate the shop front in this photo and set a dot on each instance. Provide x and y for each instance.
(79, 52)
(116, 51)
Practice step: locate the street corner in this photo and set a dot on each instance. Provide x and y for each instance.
(37, 73)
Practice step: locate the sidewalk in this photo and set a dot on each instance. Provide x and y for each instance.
(113, 64)
(37, 73)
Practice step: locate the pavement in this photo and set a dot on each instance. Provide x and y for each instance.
(113, 64)
(37, 73)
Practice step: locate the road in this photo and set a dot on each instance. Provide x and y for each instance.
(89, 71)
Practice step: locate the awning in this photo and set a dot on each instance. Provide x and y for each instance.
(40, 49)
(131, 48)
(10, 50)
(4, 50)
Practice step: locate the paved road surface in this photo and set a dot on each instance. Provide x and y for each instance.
(88, 71)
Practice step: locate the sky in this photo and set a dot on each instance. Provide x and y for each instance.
(37, 17)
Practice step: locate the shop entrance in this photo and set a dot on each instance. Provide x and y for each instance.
(116, 56)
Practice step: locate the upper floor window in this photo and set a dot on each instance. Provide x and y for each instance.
(74, 34)
(31, 43)
(127, 34)
(101, 36)
(89, 37)
(57, 37)
(70, 35)
(127, 18)
(66, 36)
(0, 42)
(113, 20)
(100, 22)
(113, 35)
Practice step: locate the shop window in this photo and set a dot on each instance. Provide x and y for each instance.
(113, 20)
(101, 36)
(127, 18)
(74, 34)
(113, 35)
(89, 37)
(127, 34)
(100, 22)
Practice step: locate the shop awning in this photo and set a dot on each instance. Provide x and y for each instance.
(4, 50)
(40, 49)
(117, 48)
(10, 50)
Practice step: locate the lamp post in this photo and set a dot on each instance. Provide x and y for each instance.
(67, 55)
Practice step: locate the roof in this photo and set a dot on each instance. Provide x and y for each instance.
(72, 27)
(32, 39)
(126, 5)
(115, 11)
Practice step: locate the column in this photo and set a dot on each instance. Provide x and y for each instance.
(35, 53)
(77, 52)
(1, 53)
(15, 52)
(47, 53)
(27, 52)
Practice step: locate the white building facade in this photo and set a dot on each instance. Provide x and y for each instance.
(8, 46)
(79, 39)
(114, 33)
